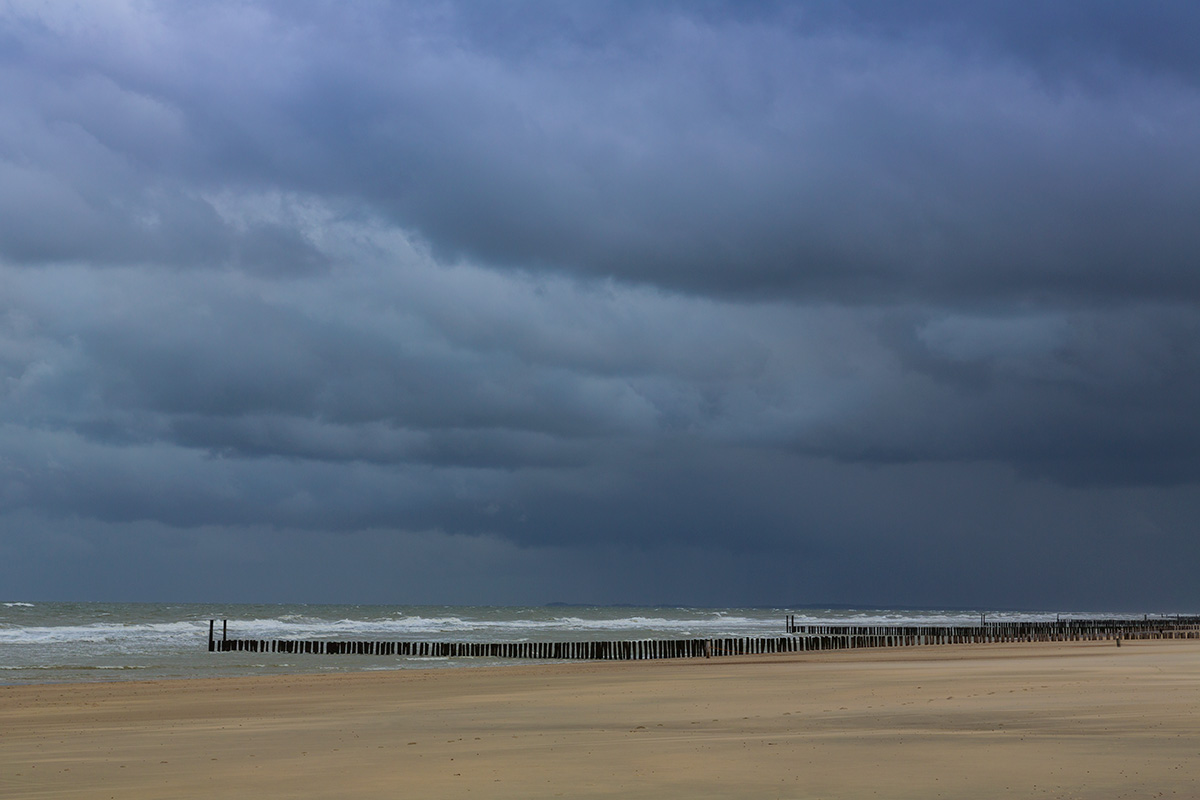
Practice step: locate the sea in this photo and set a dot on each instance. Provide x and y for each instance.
(44, 642)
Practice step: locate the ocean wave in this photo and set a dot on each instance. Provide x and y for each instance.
(418, 626)
(106, 632)
(17, 605)
(72, 667)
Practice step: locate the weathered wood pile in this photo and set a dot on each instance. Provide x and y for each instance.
(801, 638)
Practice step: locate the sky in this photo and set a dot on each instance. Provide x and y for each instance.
(701, 303)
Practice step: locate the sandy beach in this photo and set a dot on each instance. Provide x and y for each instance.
(1049, 720)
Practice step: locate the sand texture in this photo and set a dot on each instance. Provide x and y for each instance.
(1086, 720)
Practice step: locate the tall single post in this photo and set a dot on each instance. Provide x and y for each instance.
(224, 631)
(211, 645)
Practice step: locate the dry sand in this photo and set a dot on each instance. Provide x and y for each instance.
(1087, 720)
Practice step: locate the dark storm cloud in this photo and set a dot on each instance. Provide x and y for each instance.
(861, 153)
(748, 159)
(1072, 39)
(1099, 396)
(838, 295)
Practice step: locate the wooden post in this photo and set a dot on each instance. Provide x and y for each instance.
(211, 644)
(224, 630)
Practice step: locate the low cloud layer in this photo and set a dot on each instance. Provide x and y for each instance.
(856, 303)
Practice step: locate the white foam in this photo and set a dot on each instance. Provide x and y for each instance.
(163, 632)
(47, 667)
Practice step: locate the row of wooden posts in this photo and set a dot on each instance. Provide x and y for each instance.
(1060, 630)
(800, 638)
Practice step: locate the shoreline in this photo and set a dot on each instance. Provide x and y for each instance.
(980, 720)
(83, 642)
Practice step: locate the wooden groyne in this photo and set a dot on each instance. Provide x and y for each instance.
(799, 638)
(1061, 630)
(558, 651)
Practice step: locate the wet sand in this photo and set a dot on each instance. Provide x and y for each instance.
(1087, 720)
